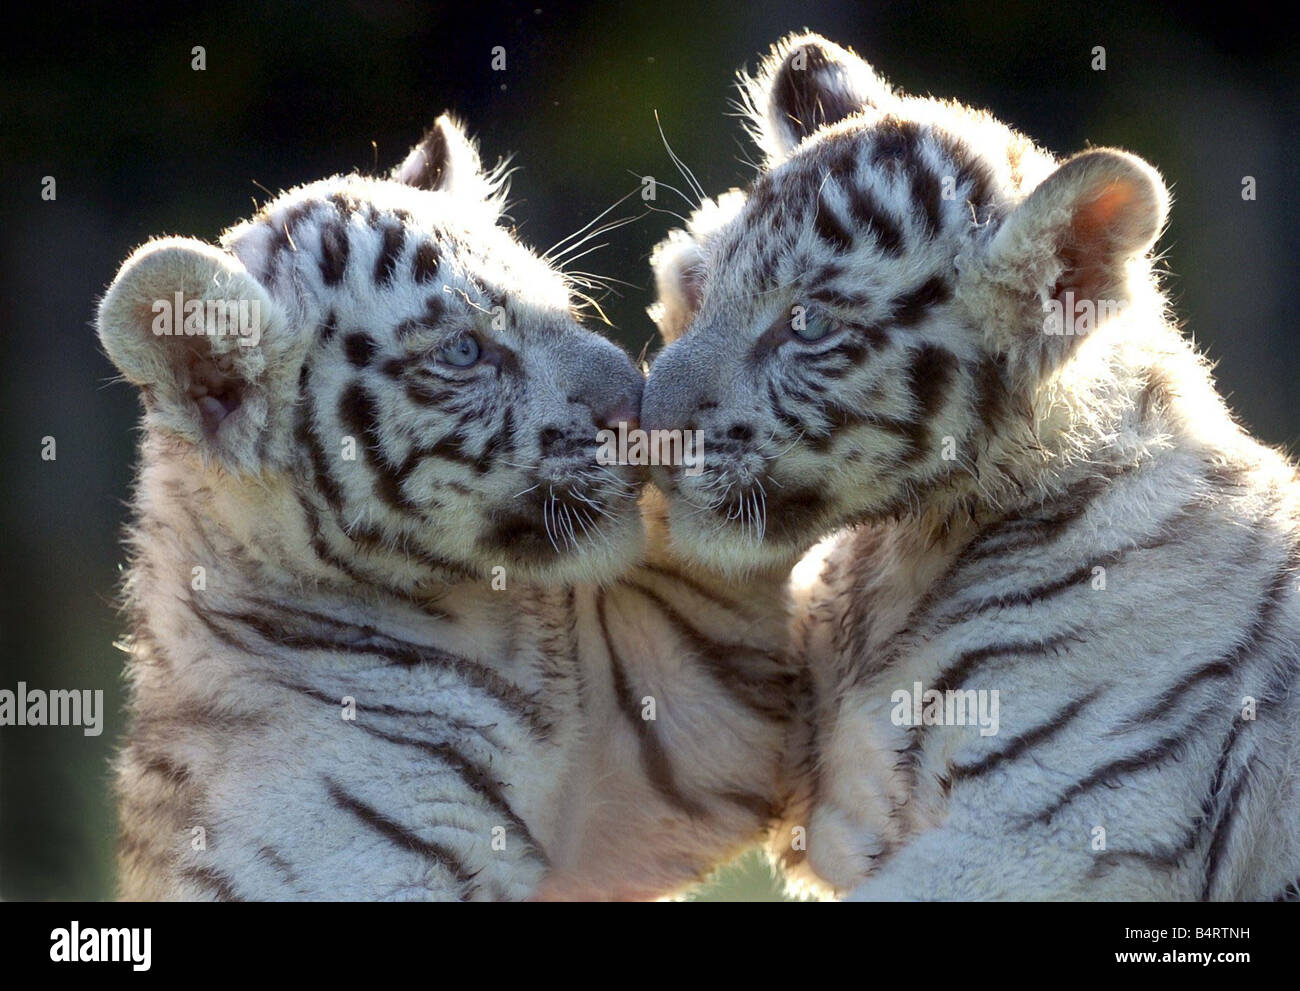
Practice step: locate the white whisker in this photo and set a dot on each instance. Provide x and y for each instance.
(547, 255)
(687, 174)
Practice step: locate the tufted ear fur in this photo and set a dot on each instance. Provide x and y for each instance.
(447, 159)
(678, 265)
(1074, 251)
(210, 350)
(807, 83)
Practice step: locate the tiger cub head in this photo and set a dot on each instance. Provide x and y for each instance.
(867, 329)
(381, 359)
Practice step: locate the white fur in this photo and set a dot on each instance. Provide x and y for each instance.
(260, 617)
(1123, 767)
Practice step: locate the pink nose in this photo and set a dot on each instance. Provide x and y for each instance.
(622, 413)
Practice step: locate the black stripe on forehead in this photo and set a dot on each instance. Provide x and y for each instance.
(782, 194)
(424, 265)
(899, 144)
(933, 162)
(335, 250)
(895, 140)
(911, 306)
(840, 160)
(972, 174)
(284, 225)
(829, 227)
(437, 308)
(828, 294)
(393, 239)
(762, 195)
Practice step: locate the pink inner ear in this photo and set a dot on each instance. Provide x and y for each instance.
(213, 411)
(1101, 221)
(215, 391)
(691, 279)
(1095, 246)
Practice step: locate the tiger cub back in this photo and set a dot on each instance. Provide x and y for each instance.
(1053, 620)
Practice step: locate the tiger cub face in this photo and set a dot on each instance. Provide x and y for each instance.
(395, 370)
(866, 329)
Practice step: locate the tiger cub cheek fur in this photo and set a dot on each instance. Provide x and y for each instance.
(863, 329)
(413, 375)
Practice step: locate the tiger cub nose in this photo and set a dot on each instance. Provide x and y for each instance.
(675, 388)
(628, 412)
(612, 389)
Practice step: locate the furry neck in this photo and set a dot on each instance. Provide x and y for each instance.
(203, 534)
(766, 582)
(1130, 392)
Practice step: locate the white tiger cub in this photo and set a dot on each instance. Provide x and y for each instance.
(363, 661)
(1055, 629)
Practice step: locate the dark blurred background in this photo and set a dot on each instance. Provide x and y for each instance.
(103, 98)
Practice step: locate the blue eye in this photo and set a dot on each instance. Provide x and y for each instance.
(810, 327)
(462, 352)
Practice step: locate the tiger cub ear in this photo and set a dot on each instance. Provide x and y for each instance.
(679, 264)
(446, 159)
(205, 343)
(804, 84)
(1077, 245)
